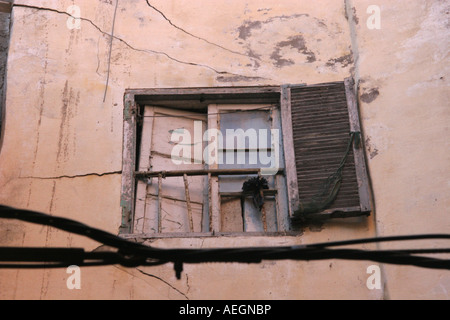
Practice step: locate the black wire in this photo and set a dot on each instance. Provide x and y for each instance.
(380, 239)
(53, 259)
(71, 226)
(131, 254)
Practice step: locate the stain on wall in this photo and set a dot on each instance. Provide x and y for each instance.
(343, 61)
(369, 95)
(294, 42)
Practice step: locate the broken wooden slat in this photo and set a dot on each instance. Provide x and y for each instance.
(165, 196)
(159, 203)
(188, 203)
(213, 172)
(210, 201)
(263, 211)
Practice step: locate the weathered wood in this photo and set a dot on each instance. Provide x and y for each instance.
(144, 236)
(213, 172)
(213, 179)
(263, 209)
(143, 164)
(188, 203)
(210, 204)
(267, 94)
(127, 201)
(164, 196)
(289, 154)
(229, 91)
(264, 218)
(358, 150)
(159, 203)
(281, 206)
(5, 7)
(322, 136)
(335, 213)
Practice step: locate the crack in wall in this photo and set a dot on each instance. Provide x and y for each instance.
(74, 176)
(98, 56)
(110, 50)
(148, 51)
(194, 36)
(164, 281)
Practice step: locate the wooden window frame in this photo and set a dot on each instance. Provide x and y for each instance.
(188, 97)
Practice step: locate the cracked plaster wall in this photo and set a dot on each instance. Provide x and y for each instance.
(61, 152)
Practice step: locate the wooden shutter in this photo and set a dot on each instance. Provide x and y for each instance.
(320, 123)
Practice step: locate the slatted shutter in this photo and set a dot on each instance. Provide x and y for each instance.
(321, 126)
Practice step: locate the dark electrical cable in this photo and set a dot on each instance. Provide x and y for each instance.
(132, 254)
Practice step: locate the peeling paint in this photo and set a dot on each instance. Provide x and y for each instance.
(344, 61)
(370, 95)
(294, 42)
(237, 78)
(245, 30)
(279, 61)
(372, 150)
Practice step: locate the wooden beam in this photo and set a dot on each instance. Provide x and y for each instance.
(358, 150)
(5, 7)
(213, 172)
(289, 153)
(204, 91)
(188, 203)
(128, 165)
(159, 203)
(144, 236)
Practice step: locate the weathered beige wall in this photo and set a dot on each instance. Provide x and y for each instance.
(62, 147)
(404, 73)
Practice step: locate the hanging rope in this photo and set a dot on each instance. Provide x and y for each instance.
(328, 191)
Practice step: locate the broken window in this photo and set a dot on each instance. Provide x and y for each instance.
(241, 159)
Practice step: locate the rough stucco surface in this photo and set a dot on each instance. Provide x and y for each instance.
(62, 149)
